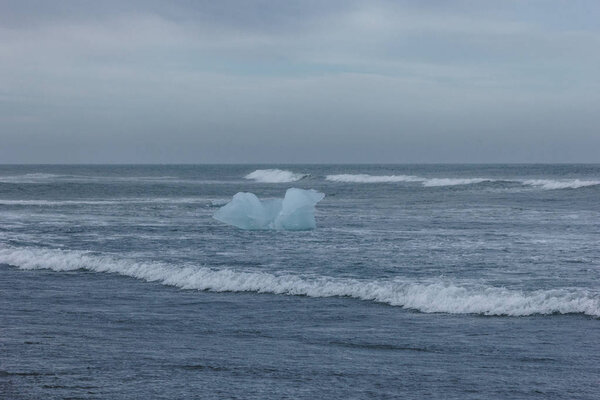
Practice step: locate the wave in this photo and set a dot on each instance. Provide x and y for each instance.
(275, 176)
(43, 178)
(454, 181)
(39, 175)
(547, 184)
(365, 178)
(54, 202)
(161, 200)
(428, 297)
(29, 178)
(550, 184)
(219, 202)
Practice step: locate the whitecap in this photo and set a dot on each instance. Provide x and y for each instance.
(428, 182)
(365, 178)
(275, 176)
(550, 184)
(439, 296)
(454, 181)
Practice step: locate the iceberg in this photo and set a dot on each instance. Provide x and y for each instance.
(296, 211)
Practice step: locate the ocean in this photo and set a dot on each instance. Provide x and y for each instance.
(419, 282)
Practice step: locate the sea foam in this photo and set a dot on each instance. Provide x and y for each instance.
(365, 178)
(275, 176)
(546, 184)
(115, 201)
(439, 296)
(550, 184)
(453, 181)
(29, 178)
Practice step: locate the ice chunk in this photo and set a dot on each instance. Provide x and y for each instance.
(295, 212)
(298, 209)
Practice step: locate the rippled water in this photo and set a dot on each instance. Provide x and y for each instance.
(439, 281)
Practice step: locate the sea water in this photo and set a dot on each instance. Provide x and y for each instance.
(419, 281)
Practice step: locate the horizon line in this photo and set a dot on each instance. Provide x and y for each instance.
(296, 163)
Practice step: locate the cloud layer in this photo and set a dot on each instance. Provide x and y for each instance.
(299, 81)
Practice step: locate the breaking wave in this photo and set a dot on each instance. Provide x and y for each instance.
(365, 178)
(550, 184)
(453, 181)
(275, 176)
(428, 297)
(547, 184)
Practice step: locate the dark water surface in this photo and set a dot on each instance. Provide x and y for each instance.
(430, 281)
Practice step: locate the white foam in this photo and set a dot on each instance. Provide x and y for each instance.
(275, 176)
(550, 184)
(365, 178)
(219, 202)
(39, 175)
(43, 178)
(28, 178)
(54, 202)
(162, 200)
(453, 181)
(429, 297)
(547, 184)
(428, 182)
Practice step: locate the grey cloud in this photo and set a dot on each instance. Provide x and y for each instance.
(297, 82)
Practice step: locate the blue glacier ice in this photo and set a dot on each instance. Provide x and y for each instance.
(296, 211)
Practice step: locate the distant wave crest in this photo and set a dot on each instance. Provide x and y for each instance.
(428, 297)
(547, 184)
(275, 176)
(40, 175)
(550, 184)
(453, 181)
(28, 178)
(117, 201)
(37, 178)
(365, 178)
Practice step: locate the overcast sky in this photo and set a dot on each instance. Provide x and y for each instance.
(299, 81)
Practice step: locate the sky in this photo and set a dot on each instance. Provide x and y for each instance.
(246, 81)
